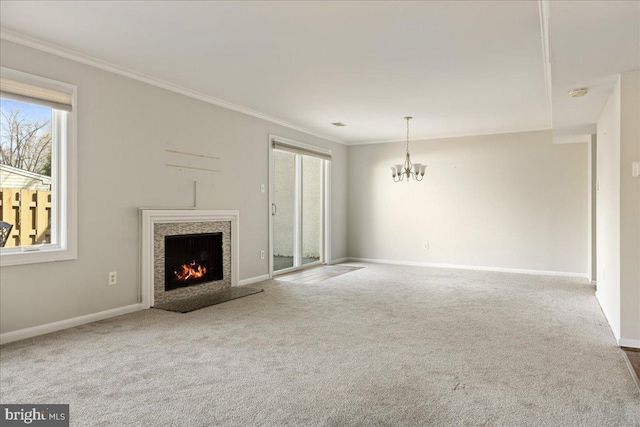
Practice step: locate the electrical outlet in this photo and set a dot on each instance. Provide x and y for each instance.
(113, 278)
(262, 188)
(425, 246)
(262, 254)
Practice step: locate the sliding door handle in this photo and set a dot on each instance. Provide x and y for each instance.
(274, 209)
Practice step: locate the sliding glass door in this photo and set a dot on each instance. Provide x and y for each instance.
(297, 210)
(284, 211)
(311, 207)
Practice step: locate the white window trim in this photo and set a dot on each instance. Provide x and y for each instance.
(64, 181)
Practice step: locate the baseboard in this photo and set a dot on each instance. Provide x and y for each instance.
(251, 280)
(66, 324)
(623, 342)
(339, 260)
(473, 267)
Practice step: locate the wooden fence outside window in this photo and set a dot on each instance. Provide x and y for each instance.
(30, 213)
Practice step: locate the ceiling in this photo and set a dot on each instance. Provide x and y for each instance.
(590, 43)
(459, 68)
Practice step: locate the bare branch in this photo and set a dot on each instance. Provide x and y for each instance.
(25, 143)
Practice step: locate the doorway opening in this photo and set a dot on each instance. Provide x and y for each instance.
(298, 199)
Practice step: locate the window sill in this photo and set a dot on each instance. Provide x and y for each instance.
(9, 258)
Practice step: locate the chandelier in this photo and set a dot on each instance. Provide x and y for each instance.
(408, 170)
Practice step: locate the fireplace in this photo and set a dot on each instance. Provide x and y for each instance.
(157, 225)
(191, 259)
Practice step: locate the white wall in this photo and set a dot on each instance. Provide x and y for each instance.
(629, 209)
(618, 206)
(592, 206)
(124, 127)
(608, 210)
(506, 201)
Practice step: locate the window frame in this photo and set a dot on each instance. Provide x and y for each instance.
(63, 180)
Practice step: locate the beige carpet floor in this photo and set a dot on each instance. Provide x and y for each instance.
(379, 346)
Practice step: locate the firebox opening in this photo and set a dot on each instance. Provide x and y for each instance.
(190, 259)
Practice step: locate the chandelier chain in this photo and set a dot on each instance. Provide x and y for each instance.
(408, 118)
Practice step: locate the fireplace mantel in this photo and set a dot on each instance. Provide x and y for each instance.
(150, 217)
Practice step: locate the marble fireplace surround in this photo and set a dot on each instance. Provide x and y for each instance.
(156, 223)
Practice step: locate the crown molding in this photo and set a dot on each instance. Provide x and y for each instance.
(53, 49)
(448, 136)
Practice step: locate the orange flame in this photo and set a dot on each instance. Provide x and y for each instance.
(192, 270)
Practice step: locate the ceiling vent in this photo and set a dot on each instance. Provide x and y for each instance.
(338, 124)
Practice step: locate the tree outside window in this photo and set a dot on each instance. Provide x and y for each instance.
(25, 172)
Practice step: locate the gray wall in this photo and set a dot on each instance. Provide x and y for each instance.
(124, 127)
(509, 201)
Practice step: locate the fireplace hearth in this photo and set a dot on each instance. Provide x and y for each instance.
(191, 259)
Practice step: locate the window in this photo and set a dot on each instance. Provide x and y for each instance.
(37, 169)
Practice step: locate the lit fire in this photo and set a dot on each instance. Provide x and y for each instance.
(192, 270)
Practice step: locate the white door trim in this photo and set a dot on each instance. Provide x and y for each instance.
(297, 210)
(327, 212)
